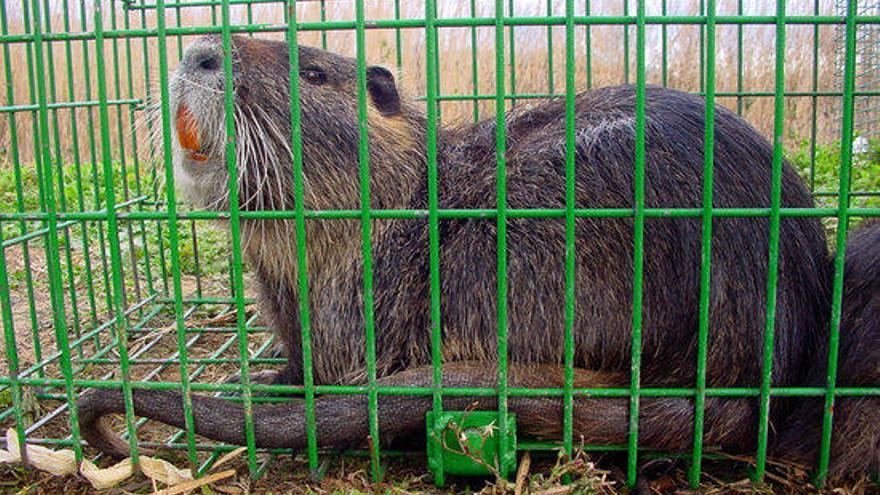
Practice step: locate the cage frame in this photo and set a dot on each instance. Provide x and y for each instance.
(134, 212)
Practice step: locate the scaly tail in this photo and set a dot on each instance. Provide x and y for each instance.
(665, 423)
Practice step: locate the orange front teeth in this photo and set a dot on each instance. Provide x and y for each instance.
(188, 134)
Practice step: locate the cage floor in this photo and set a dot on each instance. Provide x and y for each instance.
(211, 345)
(211, 338)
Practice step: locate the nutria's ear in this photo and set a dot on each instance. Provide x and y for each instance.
(380, 84)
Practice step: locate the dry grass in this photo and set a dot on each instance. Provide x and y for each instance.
(531, 52)
(404, 476)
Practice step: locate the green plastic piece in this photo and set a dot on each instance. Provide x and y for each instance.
(469, 444)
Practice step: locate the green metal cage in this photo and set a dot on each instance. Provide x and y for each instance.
(107, 280)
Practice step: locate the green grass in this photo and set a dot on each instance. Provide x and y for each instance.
(76, 190)
(864, 178)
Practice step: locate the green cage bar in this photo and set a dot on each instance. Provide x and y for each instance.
(501, 223)
(366, 241)
(840, 242)
(638, 247)
(773, 254)
(570, 268)
(174, 243)
(235, 234)
(56, 290)
(705, 250)
(121, 332)
(435, 462)
(302, 260)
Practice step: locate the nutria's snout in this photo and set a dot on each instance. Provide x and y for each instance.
(196, 98)
(329, 126)
(201, 68)
(188, 134)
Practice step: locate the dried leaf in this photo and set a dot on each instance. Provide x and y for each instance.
(228, 457)
(558, 490)
(9, 457)
(157, 470)
(229, 489)
(163, 471)
(522, 473)
(193, 484)
(56, 462)
(102, 479)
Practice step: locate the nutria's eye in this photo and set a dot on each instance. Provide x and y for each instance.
(313, 75)
(210, 63)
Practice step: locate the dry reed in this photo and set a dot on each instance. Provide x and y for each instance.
(72, 75)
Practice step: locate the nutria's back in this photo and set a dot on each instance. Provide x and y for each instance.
(604, 179)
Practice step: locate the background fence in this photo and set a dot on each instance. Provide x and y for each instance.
(867, 112)
(98, 281)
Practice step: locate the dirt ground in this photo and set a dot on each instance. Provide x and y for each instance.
(408, 475)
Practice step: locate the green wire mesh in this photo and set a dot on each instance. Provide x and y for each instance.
(107, 280)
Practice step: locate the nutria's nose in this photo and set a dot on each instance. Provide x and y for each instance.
(203, 56)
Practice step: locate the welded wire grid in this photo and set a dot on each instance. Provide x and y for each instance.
(867, 110)
(93, 287)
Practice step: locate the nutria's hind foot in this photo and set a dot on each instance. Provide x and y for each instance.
(278, 351)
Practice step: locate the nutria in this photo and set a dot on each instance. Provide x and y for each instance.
(855, 436)
(535, 157)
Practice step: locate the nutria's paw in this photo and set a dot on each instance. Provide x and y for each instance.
(278, 352)
(265, 377)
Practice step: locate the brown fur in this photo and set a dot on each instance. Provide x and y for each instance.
(855, 437)
(535, 151)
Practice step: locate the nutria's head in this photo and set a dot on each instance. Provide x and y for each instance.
(329, 124)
